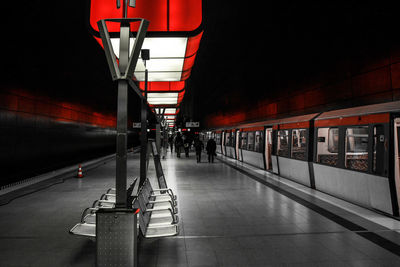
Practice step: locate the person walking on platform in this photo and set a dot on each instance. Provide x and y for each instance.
(186, 145)
(211, 147)
(178, 144)
(199, 146)
(171, 142)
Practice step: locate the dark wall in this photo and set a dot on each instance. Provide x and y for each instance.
(57, 98)
(39, 134)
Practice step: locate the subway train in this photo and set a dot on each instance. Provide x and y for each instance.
(352, 153)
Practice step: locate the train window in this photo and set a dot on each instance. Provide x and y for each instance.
(218, 138)
(250, 141)
(243, 144)
(283, 143)
(228, 139)
(356, 153)
(258, 141)
(299, 146)
(327, 146)
(233, 139)
(333, 140)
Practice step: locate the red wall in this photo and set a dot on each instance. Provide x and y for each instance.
(359, 81)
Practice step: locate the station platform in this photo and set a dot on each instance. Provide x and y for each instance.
(230, 214)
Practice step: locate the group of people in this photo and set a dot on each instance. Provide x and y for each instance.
(185, 143)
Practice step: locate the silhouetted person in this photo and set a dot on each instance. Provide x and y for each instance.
(171, 142)
(198, 146)
(211, 147)
(186, 145)
(178, 144)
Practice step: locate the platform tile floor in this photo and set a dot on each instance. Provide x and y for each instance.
(226, 219)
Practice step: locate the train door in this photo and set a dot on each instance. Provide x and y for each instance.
(268, 148)
(237, 145)
(223, 143)
(397, 155)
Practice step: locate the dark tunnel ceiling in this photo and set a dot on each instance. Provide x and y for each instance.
(248, 51)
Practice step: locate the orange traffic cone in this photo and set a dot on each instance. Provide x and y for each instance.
(79, 175)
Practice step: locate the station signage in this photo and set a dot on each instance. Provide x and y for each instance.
(192, 124)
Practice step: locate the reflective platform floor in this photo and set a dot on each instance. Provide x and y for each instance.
(230, 215)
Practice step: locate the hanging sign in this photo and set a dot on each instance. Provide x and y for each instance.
(192, 124)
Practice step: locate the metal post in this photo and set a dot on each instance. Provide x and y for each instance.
(122, 121)
(116, 229)
(143, 139)
(158, 137)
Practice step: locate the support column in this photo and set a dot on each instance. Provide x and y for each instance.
(143, 136)
(121, 158)
(122, 121)
(158, 137)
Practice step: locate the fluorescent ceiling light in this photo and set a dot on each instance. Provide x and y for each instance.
(160, 47)
(170, 76)
(167, 56)
(162, 101)
(162, 95)
(170, 111)
(162, 64)
(162, 98)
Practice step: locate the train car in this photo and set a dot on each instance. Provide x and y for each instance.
(354, 155)
(292, 140)
(256, 146)
(251, 146)
(350, 153)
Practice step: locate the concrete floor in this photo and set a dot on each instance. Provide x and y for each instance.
(226, 219)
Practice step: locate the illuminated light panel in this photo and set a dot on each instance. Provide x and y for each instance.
(160, 65)
(171, 58)
(161, 47)
(170, 111)
(161, 101)
(162, 98)
(167, 58)
(162, 95)
(159, 76)
(173, 36)
(167, 95)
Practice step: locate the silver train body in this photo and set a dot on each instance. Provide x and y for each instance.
(352, 154)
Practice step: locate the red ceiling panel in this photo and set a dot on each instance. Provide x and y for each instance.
(163, 86)
(164, 15)
(193, 45)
